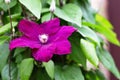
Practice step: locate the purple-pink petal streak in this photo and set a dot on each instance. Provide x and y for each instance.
(44, 53)
(63, 33)
(30, 29)
(24, 42)
(51, 27)
(63, 47)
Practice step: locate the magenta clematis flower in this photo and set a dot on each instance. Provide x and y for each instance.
(44, 39)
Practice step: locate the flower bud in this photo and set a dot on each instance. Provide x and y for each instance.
(7, 1)
(52, 6)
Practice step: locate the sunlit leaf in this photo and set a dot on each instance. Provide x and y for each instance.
(26, 68)
(4, 52)
(46, 17)
(108, 33)
(7, 27)
(3, 39)
(49, 66)
(45, 10)
(90, 34)
(34, 6)
(89, 51)
(70, 12)
(103, 21)
(77, 54)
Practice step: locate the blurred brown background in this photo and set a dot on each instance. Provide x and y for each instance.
(114, 17)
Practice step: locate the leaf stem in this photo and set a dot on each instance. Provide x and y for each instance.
(24, 11)
(9, 61)
(61, 3)
(13, 34)
(12, 28)
(51, 17)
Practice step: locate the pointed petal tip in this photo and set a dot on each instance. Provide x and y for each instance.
(63, 47)
(74, 29)
(44, 53)
(54, 20)
(11, 46)
(23, 20)
(40, 59)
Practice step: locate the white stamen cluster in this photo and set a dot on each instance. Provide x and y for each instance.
(43, 38)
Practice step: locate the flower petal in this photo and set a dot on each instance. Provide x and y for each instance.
(51, 27)
(44, 53)
(63, 33)
(30, 29)
(24, 42)
(63, 47)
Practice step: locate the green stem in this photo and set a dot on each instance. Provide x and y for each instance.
(9, 66)
(61, 3)
(12, 32)
(12, 28)
(51, 16)
(24, 11)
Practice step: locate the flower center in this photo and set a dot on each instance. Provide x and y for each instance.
(43, 38)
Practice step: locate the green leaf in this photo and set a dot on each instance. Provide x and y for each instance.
(1, 1)
(68, 73)
(87, 10)
(17, 9)
(108, 61)
(46, 17)
(45, 10)
(34, 6)
(3, 39)
(5, 6)
(70, 13)
(100, 75)
(90, 34)
(108, 33)
(5, 72)
(90, 75)
(18, 59)
(40, 74)
(4, 52)
(96, 75)
(18, 51)
(7, 27)
(14, 17)
(49, 66)
(89, 51)
(77, 54)
(26, 68)
(103, 21)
